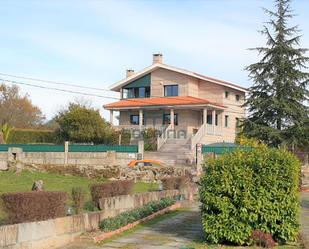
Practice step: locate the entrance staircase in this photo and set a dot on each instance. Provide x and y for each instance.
(174, 152)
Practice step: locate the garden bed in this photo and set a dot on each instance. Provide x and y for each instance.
(100, 236)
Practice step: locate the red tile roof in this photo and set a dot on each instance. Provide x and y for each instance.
(161, 101)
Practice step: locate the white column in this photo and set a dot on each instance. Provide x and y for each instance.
(111, 116)
(223, 119)
(213, 116)
(205, 115)
(172, 118)
(140, 119)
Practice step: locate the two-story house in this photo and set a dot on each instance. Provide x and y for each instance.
(184, 105)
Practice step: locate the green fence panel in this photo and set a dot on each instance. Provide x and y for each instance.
(34, 147)
(103, 148)
(72, 148)
(222, 149)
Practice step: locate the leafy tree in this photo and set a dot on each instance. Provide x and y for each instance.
(17, 110)
(82, 124)
(6, 130)
(276, 102)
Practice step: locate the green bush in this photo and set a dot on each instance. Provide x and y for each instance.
(150, 138)
(246, 191)
(131, 216)
(78, 198)
(29, 136)
(110, 189)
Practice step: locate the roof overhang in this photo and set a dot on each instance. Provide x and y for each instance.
(118, 85)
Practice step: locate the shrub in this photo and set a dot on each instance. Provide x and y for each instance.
(110, 189)
(178, 182)
(78, 197)
(262, 239)
(34, 206)
(131, 216)
(90, 206)
(246, 191)
(28, 136)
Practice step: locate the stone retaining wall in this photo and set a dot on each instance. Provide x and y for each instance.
(56, 233)
(69, 158)
(123, 203)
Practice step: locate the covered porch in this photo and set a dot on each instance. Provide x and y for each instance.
(182, 120)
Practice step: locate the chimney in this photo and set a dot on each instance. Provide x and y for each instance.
(157, 58)
(130, 72)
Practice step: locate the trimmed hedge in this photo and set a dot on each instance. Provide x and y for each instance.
(110, 189)
(178, 182)
(34, 206)
(246, 191)
(28, 136)
(123, 219)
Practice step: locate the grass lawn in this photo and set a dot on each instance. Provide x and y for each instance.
(12, 182)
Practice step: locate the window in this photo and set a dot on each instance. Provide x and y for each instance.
(134, 119)
(237, 97)
(171, 90)
(136, 92)
(167, 119)
(227, 94)
(237, 122)
(226, 120)
(209, 119)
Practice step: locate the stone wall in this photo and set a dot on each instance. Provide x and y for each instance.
(61, 158)
(123, 203)
(56, 233)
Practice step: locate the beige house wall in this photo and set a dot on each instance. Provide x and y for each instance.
(162, 77)
(192, 119)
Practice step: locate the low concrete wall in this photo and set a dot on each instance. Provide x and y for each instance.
(58, 232)
(123, 203)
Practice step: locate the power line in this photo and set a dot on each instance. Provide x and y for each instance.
(59, 89)
(81, 93)
(55, 82)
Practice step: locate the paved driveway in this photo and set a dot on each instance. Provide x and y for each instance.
(171, 233)
(175, 232)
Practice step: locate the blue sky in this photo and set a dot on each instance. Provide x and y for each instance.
(94, 42)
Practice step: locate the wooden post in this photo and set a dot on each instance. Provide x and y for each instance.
(119, 139)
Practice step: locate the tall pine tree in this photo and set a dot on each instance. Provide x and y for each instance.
(276, 101)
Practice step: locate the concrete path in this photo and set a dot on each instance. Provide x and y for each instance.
(171, 233)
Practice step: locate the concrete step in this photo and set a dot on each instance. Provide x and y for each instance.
(177, 141)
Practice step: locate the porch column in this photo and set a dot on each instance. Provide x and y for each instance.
(213, 116)
(205, 115)
(140, 119)
(223, 119)
(111, 116)
(172, 118)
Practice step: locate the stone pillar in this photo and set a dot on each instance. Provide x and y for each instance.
(199, 159)
(205, 115)
(111, 116)
(213, 116)
(172, 118)
(140, 119)
(223, 119)
(66, 152)
(141, 148)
